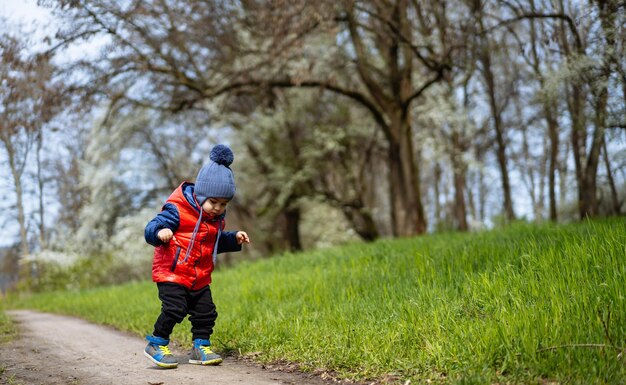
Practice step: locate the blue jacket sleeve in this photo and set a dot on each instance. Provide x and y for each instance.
(167, 218)
(228, 242)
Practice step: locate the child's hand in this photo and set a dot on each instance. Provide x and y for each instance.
(242, 237)
(165, 235)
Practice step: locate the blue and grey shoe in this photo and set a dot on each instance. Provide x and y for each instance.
(201, 354)
(158, 352)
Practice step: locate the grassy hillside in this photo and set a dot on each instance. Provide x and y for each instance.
(530, 304)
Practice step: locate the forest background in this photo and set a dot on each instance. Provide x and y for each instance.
(350, 120)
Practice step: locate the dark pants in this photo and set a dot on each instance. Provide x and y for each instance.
(177, 301)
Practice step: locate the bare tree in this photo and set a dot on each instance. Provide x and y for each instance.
(498, 93)
(581, 39)
(15, 134)
(549, 104)
(450, 134)
(389, 52)
(191, 59)
(586, 156)
(385, 59)
(587, 80)
(71, 194)
(27, 103)
(307, 146)
(612, 14)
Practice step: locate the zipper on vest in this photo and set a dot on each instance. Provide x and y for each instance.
(195, 272)
(175, 259)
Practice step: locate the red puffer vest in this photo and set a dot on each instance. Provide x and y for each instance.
(174, 261)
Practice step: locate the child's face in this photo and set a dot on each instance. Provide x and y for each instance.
(215, 206)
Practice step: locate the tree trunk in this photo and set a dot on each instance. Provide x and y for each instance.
(40, 185)
(460, 211)
(502, 163)
(587, 169)
(589, 207)
(530, 182)
(21, 217)
(16, 172)
(496, 116)
(587, 162)
(578, 137)
(575, 105)
(609, 173)
(406, 204)
(459, 174)
(541, 199)
(608, 11)
(292, 228)
(437, 173)
(362, 222)
(470, 202)
(550, 112)
(390, 102)
(563, 175)
(482, 196)
(553, 134)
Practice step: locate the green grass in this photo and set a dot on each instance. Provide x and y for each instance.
(7, 330)
(527, 304)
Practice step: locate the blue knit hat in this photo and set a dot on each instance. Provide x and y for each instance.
(215, 179)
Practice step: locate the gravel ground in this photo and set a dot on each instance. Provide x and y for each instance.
(53, 349)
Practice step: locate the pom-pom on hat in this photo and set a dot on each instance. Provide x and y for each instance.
(215, 179)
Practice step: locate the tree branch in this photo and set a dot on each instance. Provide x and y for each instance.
(406, 103)
(324, 85)
(430, 64)
(534, 15)
(361, 59)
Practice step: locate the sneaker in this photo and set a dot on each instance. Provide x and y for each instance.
(158, 352)
(201, 354)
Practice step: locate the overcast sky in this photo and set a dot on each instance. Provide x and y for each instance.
(22, 10)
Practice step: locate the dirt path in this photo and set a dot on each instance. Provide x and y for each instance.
(53, 349)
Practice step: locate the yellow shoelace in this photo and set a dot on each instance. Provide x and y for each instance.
(164, 349)
(206, 349)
